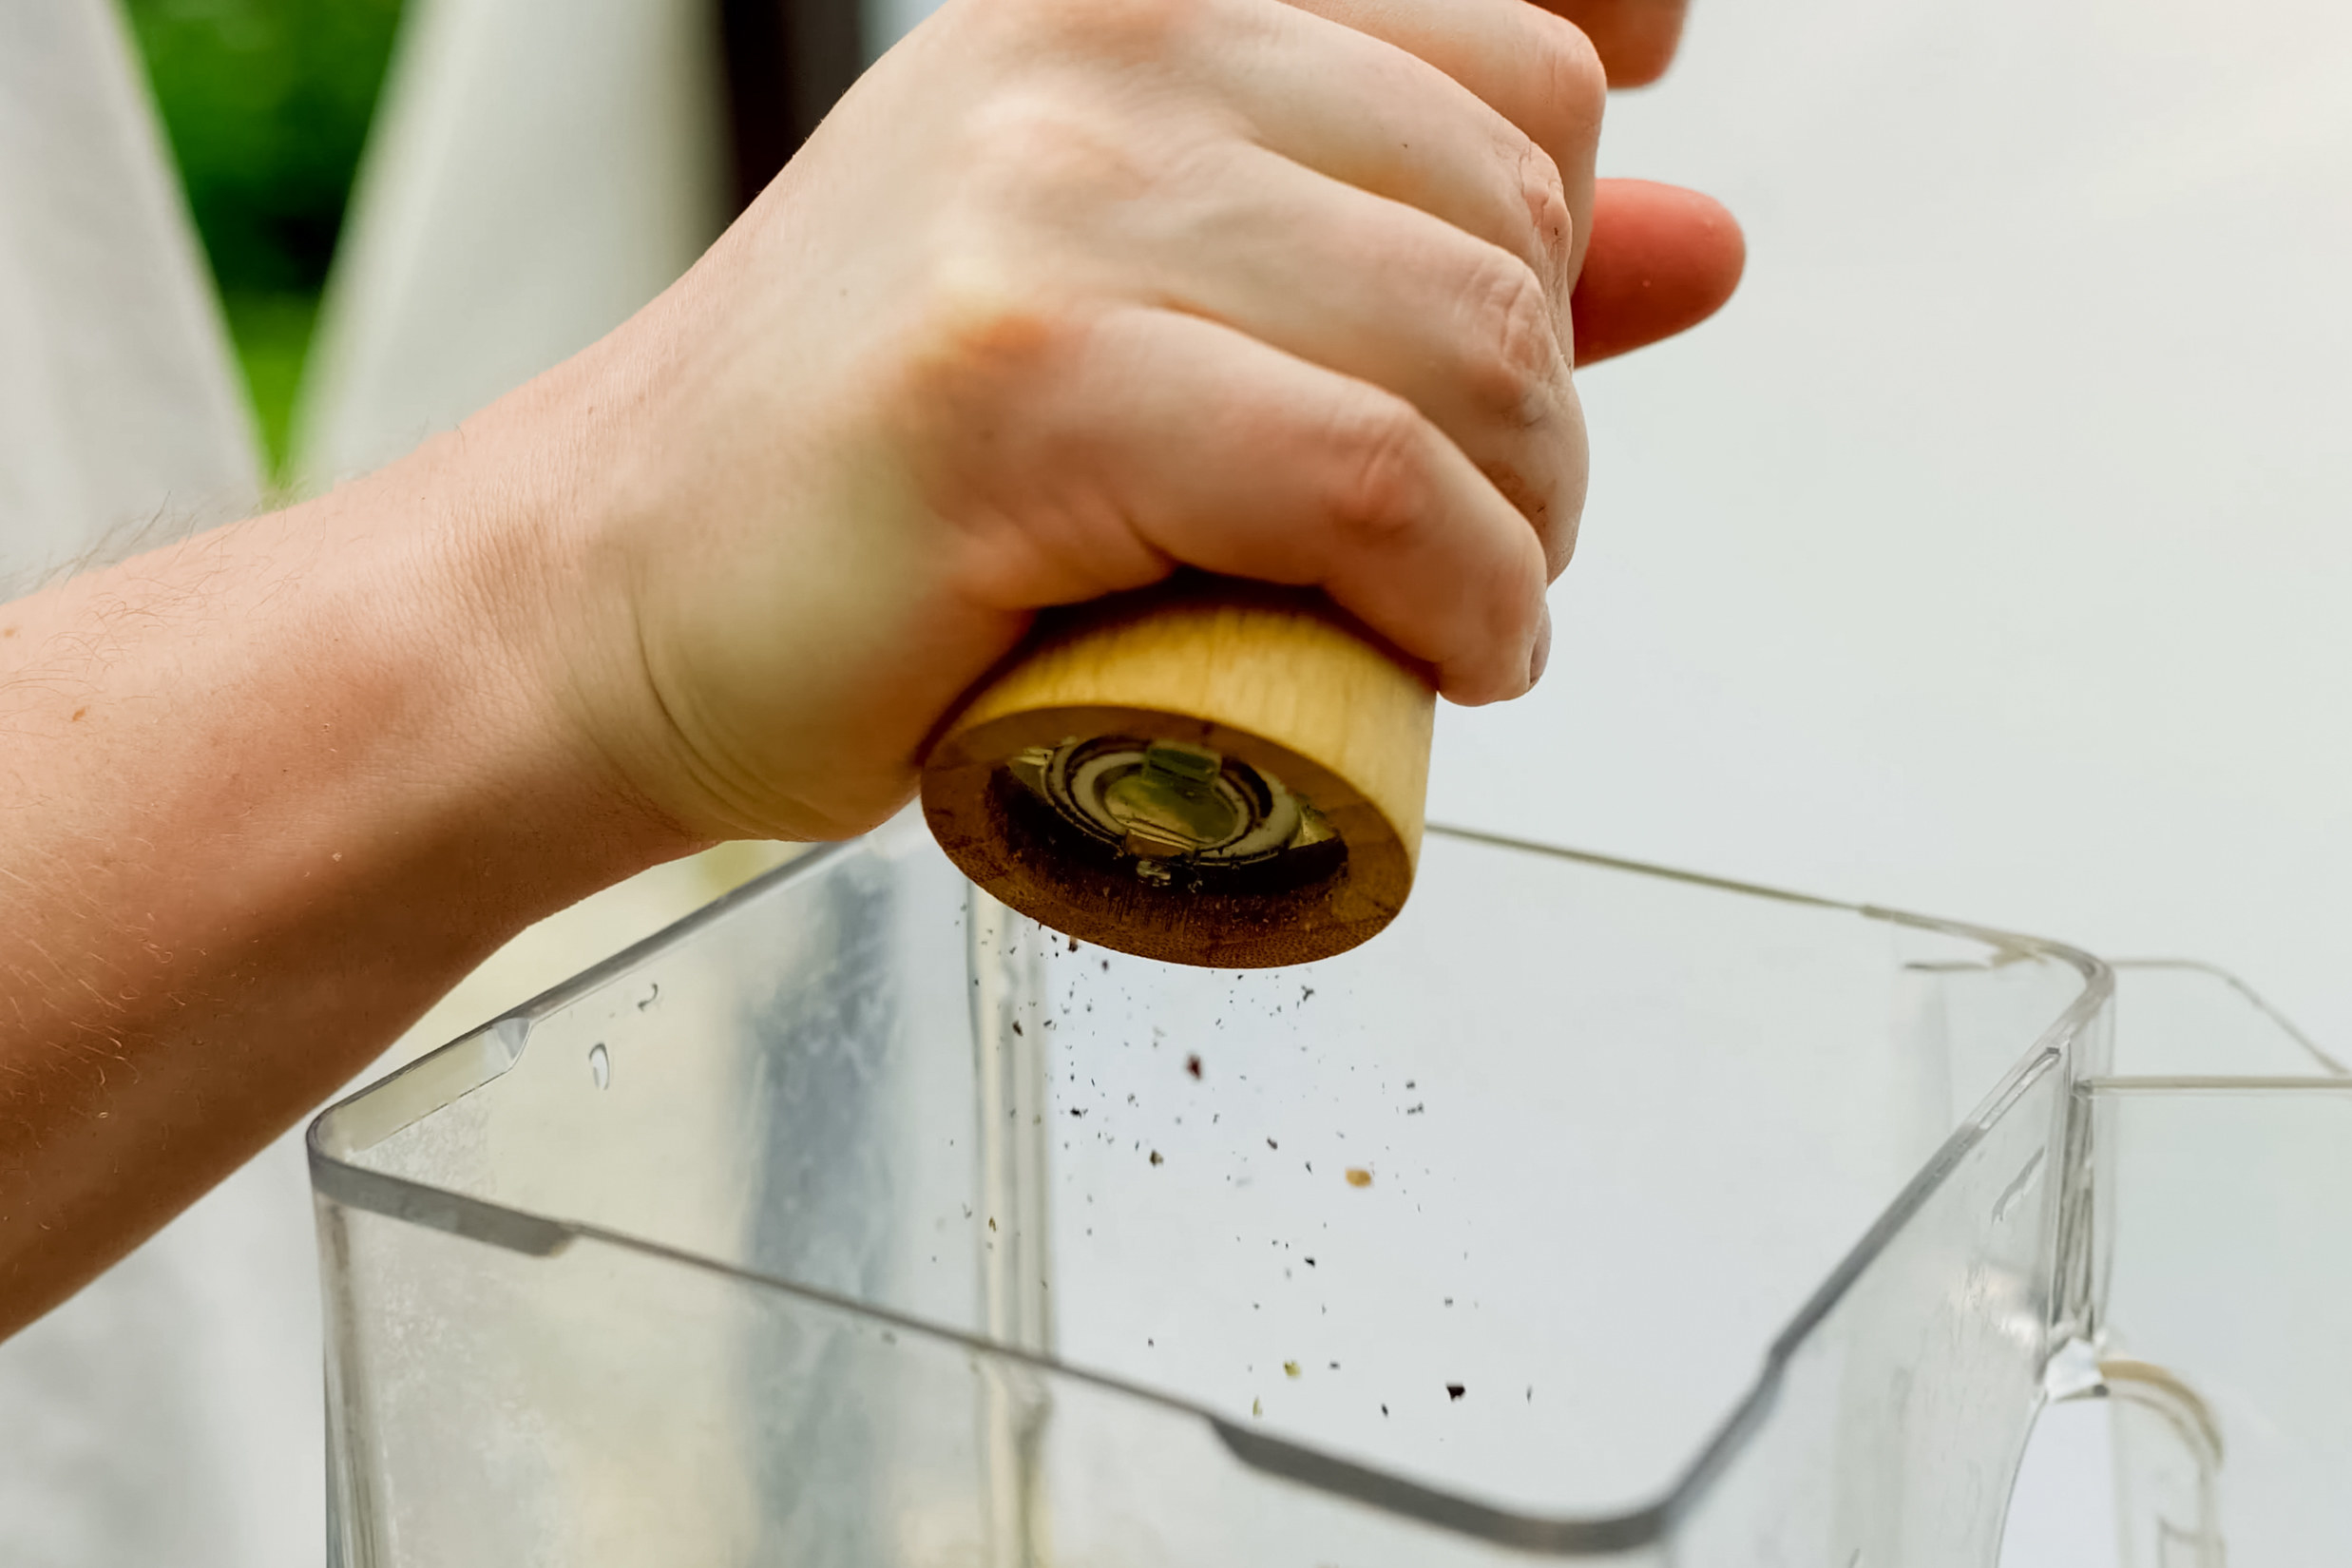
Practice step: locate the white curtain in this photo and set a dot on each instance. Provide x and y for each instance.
(169, 1413)
(118, 412)
(538, 170)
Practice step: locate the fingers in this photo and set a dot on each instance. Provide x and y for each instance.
(1368, 113)
(1535, 70)
(1302, 475)
(1662, 259)
(1155, 438)
(1636, 39)
(1330, 350)
(1462, 329)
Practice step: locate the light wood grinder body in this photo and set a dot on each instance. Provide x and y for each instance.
(1210, 772)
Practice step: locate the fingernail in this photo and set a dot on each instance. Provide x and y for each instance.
(1542, 655)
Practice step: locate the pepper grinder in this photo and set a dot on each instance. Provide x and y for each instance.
(1209, 772)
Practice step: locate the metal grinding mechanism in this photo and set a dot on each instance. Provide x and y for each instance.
(1209, 772)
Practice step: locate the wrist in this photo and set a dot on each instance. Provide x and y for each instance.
(270, 792)
(494, 660)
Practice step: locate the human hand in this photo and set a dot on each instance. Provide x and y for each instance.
(1068, 294)
(1661, 258)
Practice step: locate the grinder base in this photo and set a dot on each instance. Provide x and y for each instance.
(1207, 772)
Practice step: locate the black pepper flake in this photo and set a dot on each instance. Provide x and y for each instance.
(1455, 1390)
(1156, 1160)
(1192, 1065)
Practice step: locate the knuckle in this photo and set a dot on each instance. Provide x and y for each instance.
(1514, 614)
(1382, 487)
(1550, 224)
(981, 336)
(1020, 145)
(1560, 542)
(1511, 345)
(1494, 631)
(1525, 481)
(1568, 72)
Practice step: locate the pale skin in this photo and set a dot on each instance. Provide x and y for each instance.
(1065, 294)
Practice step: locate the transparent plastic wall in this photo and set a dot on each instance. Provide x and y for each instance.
(1592, 1213)
(2222, 1162)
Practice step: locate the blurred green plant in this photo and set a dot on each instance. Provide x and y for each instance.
(266, 104)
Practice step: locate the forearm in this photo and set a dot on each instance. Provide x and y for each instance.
(263, 796)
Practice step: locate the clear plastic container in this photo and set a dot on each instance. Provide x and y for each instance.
(2220, 1241)
(1593, 1211)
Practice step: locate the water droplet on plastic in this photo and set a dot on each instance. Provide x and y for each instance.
(601, 1065)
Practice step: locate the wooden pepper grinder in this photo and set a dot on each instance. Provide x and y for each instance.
(1210, 772)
